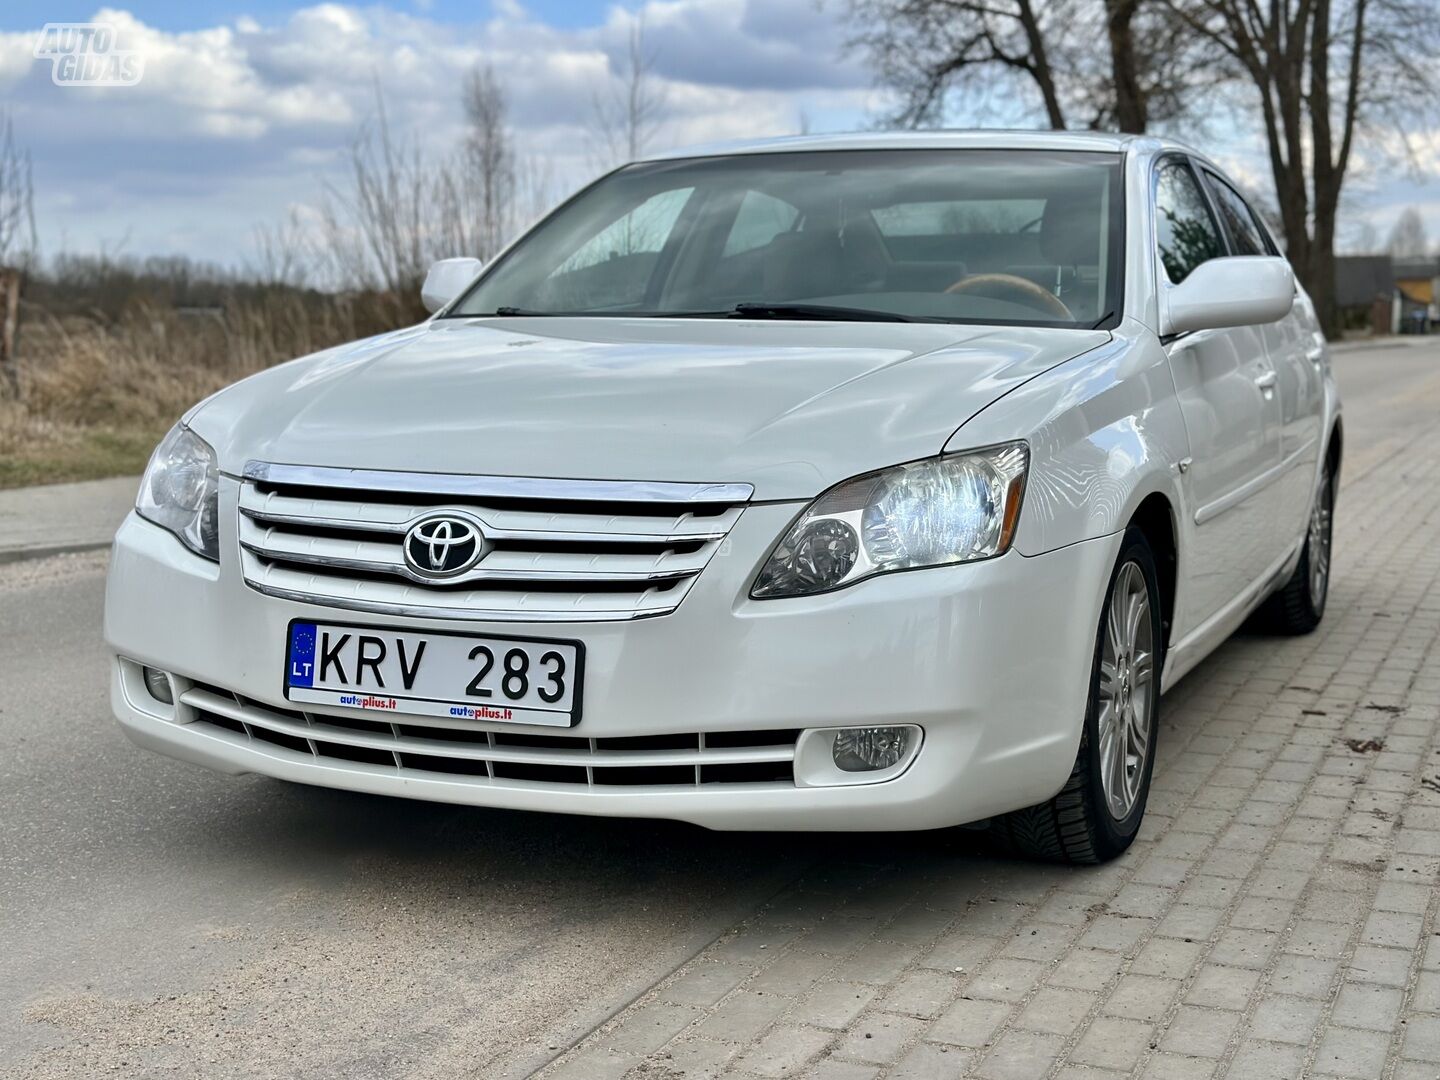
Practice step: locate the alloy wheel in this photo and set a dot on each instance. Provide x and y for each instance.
(1127, 669)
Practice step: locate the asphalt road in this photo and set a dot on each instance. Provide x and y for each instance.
(159, 920)
(159, 917)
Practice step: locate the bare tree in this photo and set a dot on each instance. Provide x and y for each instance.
(536, 192)
(489, 160)
(628, 115)
(931, 50)
(399, 209)
(18, 243)
(283, 254)
(378, 230)
(926, 48)
(1360, 236)
(1408, 239)
(1151, 71)
(490, 190)
(1130, 101)
(1323, 72)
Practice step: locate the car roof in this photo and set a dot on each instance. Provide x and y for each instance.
(951, 139)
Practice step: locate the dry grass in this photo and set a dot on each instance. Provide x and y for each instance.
(96, 396)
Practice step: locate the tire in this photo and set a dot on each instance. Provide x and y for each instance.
(1299, 605)
(1093, 818)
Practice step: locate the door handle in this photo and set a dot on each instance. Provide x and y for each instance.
(1315, 355)
(1266, 381)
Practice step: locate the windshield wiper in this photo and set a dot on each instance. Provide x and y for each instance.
(516, 312)
(822, 312)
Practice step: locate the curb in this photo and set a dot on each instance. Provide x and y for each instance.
(24, 554)
(41, 521)
(1393, 341)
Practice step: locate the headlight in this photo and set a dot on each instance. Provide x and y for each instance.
(951, 509)
(180, 491)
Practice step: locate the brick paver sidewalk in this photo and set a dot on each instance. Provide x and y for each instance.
(1276, 918)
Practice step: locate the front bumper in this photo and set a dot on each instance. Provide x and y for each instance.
(991, 660)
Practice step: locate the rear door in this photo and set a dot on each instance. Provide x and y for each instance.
(1296, 350)
(1227, 390)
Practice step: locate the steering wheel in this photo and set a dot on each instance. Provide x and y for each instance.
(1023, 290)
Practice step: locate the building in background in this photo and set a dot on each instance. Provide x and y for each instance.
(1417, 285)
(1378, 294)
(1364, 292)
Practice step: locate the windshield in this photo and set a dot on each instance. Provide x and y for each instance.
(1020, 237)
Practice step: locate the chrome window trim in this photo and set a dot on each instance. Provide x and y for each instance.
(497, 487)
(1172, 157)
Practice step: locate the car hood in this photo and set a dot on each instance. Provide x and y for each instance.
(790, 407)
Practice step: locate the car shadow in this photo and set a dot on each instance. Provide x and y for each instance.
(302, 835)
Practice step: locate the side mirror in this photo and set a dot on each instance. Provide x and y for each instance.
(1240, 290)
(446, 280)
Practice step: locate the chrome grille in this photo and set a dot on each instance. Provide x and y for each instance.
(459, 748)
(558, 549)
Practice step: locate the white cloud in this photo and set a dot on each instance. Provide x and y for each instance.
(234, 123)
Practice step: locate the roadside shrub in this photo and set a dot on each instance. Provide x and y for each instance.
(98, 388)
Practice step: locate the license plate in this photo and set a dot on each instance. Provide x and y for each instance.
(428, 673)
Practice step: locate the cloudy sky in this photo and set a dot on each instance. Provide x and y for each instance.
(247, 106)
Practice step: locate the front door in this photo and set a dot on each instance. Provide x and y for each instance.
(1228, 393)
(1297, 350)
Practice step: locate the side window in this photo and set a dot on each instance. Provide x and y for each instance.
(1184, 230)
(1246, 236)
(759, 220)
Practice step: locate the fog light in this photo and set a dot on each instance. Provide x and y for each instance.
(870, 749)
(158, 683)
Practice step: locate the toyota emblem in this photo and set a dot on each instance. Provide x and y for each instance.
(443, 545)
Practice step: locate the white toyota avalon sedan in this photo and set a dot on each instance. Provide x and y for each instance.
(867, 482)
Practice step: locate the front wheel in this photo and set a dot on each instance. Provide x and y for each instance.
(1097, 813)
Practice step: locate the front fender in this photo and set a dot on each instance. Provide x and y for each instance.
(1105, 433)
